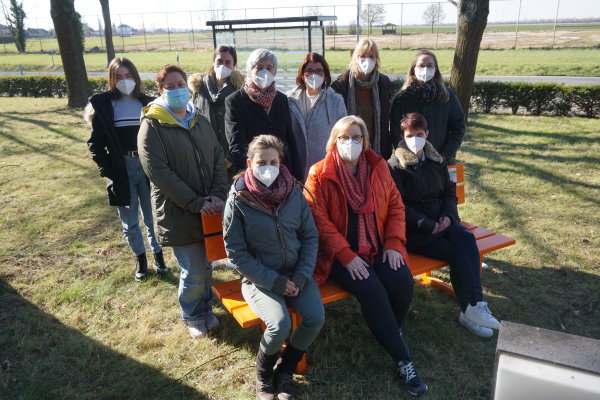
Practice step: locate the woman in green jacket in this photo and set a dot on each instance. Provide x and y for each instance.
(271, 238)
(186, 168)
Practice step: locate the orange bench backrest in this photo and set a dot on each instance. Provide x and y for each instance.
(457, 175)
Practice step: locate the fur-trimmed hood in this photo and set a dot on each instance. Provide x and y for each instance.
(195, 81)
(406, 157)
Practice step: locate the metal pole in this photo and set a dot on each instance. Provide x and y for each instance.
(122, 38)
(401, 14)
(168, 31)
(437, 32)
(309, 37)
(358, 7)
(144, 28)
(555, 21)
(192, 24)
(334, 30)
(323, 38)
(38, 27)
(517, 29)
(368, 20)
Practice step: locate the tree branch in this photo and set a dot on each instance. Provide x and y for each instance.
(454, 2)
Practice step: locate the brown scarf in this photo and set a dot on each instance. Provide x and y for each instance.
(265, 99)
(360, 199)
(273, 195)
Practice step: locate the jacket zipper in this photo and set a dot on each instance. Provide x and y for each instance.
(198, 163)
(281, 238)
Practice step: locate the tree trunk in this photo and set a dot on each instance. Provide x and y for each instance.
(472, 20)
(110, 48)
(68, 34)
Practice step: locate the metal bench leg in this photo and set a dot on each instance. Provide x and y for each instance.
(427, 279)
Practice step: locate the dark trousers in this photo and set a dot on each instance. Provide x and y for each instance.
(458, 248)
(384, 299)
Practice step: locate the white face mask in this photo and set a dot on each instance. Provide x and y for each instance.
(349, 151)
(415, 143)
(314, 81)
(424, 74)
(366, 65)
(266, 174)
(221, 71)
(263, 78)
(126, 86)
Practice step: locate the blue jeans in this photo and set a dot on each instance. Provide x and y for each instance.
(272, 309)
(139, 189)
(194, 282)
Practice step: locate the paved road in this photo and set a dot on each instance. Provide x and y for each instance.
(285, 78)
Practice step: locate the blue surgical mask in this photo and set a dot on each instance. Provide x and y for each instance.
(176, 98)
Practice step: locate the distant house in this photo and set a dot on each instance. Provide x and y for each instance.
(124, 30)
(32, 33)
(389, 29)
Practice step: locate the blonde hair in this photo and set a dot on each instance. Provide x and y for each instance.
(342, 127)
(441, 92)
(361, 47)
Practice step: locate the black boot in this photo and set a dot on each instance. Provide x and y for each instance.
(284, 382)
(159, 263)
(264, 375)
(141, 267)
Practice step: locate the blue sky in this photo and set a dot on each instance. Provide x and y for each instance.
(38, 11)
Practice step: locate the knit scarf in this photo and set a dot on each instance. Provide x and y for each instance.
(265, 99)
(423, 93)
(354, 82)
(360, 199)
(273, 195)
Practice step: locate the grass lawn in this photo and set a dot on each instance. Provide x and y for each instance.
(577, 62)
(75, 325)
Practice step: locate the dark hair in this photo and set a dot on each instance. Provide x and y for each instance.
(413, 121)
(441, 93)
(166, 70)
(114, 65)
(224, 49)
(315, 58)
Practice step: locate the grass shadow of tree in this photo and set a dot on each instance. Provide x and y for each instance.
(42, 358)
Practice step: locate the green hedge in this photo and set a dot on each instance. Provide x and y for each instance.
(535, 98)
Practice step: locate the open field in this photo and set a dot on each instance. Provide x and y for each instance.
(575, 62)
(75, 325)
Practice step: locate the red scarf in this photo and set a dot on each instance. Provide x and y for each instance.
(360, 199)
(265, 99)
(273, 195)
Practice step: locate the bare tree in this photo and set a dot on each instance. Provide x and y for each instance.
(14, 16)
(313, 11)
(433, 14)
(110, 48)
(472, 20)
(372, 14)
(217, 10)
(67, 27)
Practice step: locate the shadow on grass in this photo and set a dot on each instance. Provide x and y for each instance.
(44, 359)
(43, 124)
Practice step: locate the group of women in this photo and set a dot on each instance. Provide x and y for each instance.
(335, 180)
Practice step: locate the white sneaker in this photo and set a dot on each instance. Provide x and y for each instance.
(481, 315)
(484, 266)
(475, 329)
(197, 329)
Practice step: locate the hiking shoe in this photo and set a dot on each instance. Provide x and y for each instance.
(211, 321)
(141, 267)
(481, 315)
(197, 329)
(475, 328)
(413, 383)
(159, 263)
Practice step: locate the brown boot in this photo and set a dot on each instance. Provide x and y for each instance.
(284, 382)
(264, 375)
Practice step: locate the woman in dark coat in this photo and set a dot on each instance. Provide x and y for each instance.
(367, 94)
(258, 108)
(426, 93)
(115, 120)
(432, 222)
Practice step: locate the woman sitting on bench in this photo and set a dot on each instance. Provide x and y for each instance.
(271, 238)
(432, 222)
(360, 218)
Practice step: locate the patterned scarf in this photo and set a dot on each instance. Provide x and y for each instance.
(273, 195)
(265, 99)
(423, 93)
(372, 84)
(360, 199)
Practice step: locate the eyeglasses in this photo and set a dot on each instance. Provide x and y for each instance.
(346, 139)
(309, 71)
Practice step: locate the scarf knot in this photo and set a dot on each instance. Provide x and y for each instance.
(423, 93)
(265, 99)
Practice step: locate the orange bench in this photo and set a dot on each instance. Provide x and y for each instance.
(421, 267)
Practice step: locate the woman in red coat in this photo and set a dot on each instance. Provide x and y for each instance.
(360, 219)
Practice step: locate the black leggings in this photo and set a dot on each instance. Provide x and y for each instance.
(384, 299)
